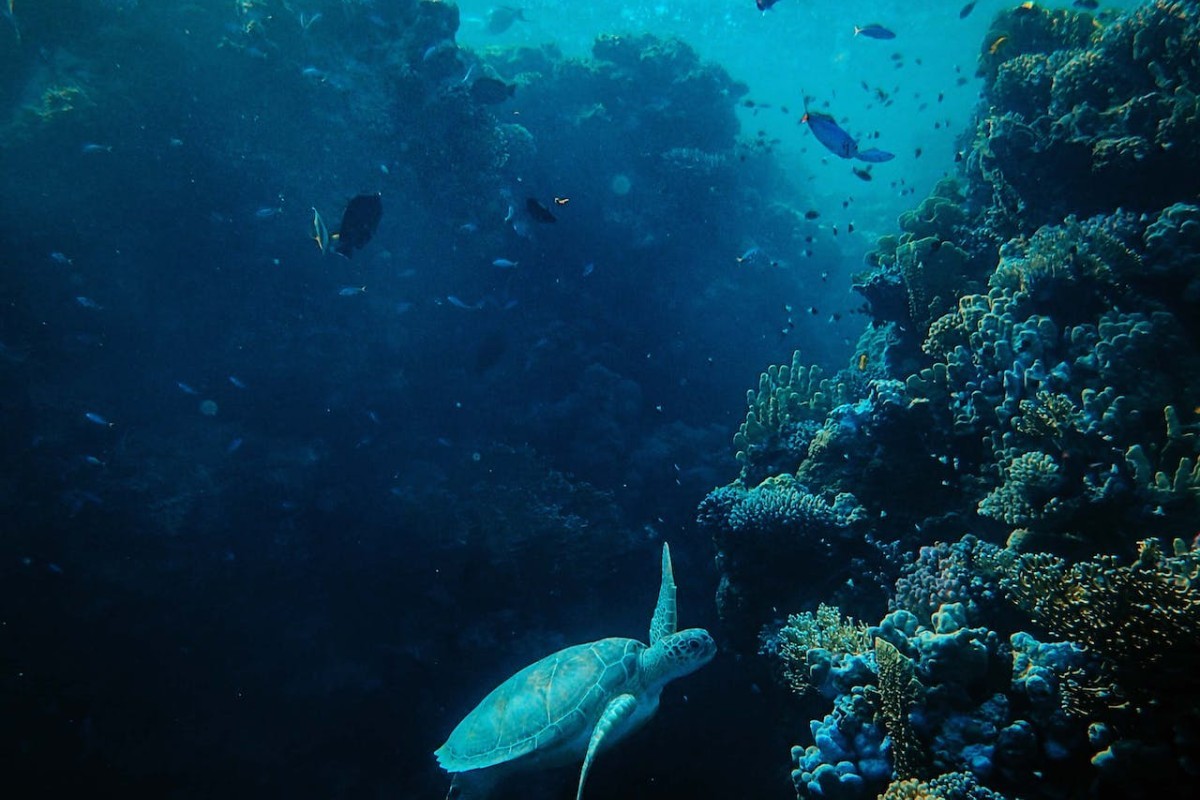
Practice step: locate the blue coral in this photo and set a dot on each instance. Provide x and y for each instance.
(849, 758)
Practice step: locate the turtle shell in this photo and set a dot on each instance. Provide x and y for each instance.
(545, 706)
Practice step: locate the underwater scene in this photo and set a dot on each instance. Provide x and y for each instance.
(534, 399)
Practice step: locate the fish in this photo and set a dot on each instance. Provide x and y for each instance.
(237, 383)
(504, 263)
(538, 212)
(61, 258)
(97, 419)
(588, 268)
(862, 359)
(996, 44)
(501, 18)
(185, 388)
(491, 91)
(234, 445)
(359, 221)
(351, 291)
(838, 142)
(750, 255)
(320, 234)
(266, 212)
(88, 302)
(458, 303)
(874, 31)
(1086, 5)
(765, 5)
(966, 10)
(862, 174)
(812, 214)
(91, 148)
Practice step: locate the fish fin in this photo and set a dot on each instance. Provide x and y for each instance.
(874, 155)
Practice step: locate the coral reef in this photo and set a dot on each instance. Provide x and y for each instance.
(791, 401)
(1035, 330)
(1088, 116)
(821, 651)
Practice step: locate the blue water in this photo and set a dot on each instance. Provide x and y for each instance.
(273, 519)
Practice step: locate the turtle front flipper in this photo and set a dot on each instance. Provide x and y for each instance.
(663, 622)
(618, 711)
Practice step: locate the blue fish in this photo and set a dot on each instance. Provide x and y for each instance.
(504, 263)
(93, 417)
(874, 31)
(838, 142)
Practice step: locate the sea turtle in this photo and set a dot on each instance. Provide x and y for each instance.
(574, 703)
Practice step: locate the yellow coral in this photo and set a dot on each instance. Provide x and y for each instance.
(1139, 616)
(899, 691)
(786, 394)
(826, 629)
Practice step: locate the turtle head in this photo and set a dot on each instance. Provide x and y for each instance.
(678, 654)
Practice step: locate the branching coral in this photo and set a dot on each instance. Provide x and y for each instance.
(791, 399)
(1141, 616)
(1028, 490)
(899, 691)
(825, 630)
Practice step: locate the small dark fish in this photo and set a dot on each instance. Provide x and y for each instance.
(538, 212)
(765, 5)
(966, 10)
(491, 91)
(1087, 5)
(359, 221)
(812, 214)
(501, 18)
(874, 31)
(862, 174)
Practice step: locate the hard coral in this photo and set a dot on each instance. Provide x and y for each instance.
(1143, 616)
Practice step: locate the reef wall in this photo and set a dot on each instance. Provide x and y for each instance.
(1021, 415)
